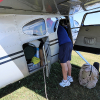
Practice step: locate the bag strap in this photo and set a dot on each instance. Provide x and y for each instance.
(91, 70)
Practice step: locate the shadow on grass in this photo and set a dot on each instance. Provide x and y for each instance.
(35, 83)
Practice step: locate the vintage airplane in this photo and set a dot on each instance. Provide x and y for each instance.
(27, 24)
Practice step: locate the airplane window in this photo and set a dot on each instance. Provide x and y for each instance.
(92, 19)
(51, 24)
(36, 27)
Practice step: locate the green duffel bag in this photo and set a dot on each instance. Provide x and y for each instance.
(29, 51)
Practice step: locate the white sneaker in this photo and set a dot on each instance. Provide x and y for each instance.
(63, 84)
(70, 79)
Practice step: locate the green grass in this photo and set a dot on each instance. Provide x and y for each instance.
(91, 58)
(32, 87)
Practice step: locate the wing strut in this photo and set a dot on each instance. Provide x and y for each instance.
(82, 57)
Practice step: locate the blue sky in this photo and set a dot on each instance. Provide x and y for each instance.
(94, 19)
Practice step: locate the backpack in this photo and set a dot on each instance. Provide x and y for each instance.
(88, 76)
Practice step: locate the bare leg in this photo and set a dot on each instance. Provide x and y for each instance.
(69, 68)
(64, 70)
(64, 82)
(41, 57)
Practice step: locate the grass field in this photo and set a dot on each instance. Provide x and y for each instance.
(32, 87)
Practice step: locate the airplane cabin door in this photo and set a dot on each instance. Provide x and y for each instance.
(47, 55)
(88, 39)
(52, 24)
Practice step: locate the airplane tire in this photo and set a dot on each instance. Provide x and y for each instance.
(96, 65)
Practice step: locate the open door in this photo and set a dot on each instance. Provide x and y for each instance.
(47, 55)
(51, 44)
(88, 39)
(52, 24)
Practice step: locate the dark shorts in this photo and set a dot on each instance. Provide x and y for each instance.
(65, 51)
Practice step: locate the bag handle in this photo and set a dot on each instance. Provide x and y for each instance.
(91, 70)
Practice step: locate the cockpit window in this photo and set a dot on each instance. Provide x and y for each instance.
(36, 27)
(92, 19)
(52, 24)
